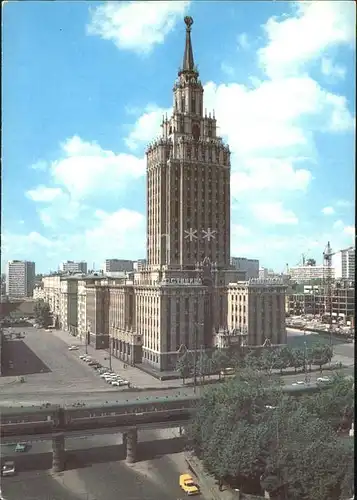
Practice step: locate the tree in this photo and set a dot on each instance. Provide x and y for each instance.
(184, 366)
(204, 365)
(219, 361)
(298, 359)
(269, 359)
(42, 313)
(286, 355)
(321, 355)
(248, 431)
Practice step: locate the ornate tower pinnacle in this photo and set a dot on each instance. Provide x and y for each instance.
(188, 61)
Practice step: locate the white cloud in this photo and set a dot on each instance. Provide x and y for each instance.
(238, 230)
(118, 233)
(350, 230)
(270, 129)
(344, 203)
(136, 26)
(86, 169)
(243, 42)
(314, 27)
(273, 213)
(338, 224)
(39, 165)
(332, 70)
(147, 127)
(44, 194)
(328, 210)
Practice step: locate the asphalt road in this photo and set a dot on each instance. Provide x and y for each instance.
(65, 379)
(101, 473)
(47, 365)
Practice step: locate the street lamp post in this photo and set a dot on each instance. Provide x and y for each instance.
(195, 357)
(87, 334)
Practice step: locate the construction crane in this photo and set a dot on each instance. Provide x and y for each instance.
(327, 261)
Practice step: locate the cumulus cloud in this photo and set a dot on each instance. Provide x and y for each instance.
(273, 213)
(136, 26)
(294, 40)
(44, 194)
(40, 165)
(338, 224)
(328, 68)
(328, 210)
(117, 233)
(147, 126)
(86, 168)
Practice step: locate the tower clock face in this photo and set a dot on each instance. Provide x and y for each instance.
(196, 131)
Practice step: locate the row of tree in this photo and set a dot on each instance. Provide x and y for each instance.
(266, 359)
(251, 435)
(42, 312)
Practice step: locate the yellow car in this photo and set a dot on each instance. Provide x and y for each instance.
(188, 485)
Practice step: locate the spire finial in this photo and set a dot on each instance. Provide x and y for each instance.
(188, 61)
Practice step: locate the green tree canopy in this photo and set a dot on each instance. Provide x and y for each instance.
(42, 313)
(184, 365)
(247, 429)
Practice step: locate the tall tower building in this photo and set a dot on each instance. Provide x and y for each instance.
(181, 295)
(20, 278)
(188, 180)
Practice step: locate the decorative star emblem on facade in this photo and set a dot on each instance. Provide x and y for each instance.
(209, 234)
(191, 234)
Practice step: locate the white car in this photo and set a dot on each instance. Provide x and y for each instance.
(118, 383)
(87, 359)
(106, 374)
(82, 356)
(73, 348)
(299, 382)
(323, 379)
(8, 469)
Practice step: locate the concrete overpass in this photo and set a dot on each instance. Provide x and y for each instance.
(123, 422)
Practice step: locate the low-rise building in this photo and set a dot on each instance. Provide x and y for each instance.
(39, 292)
(72, 266)
(305, 274)
(314, 300)
(117, 265)
(249, 266)
(257, 306)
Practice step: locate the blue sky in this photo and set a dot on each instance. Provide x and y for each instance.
(85, 85)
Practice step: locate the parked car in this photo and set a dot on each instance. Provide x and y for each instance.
(188, 485)
(73, 348)
(8, 469)
(92, 362)
(21, 447)
(87, 359)
(322, 380)
(106, 374)
(118, 383)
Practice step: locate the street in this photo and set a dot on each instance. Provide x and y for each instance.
(53, 374)
(98, 471)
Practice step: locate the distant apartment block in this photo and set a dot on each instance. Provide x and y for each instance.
(74, 267)
(250, 266)
(139, 265)
(344, 264)
(118, 265)
(304, 274)
(20, 278)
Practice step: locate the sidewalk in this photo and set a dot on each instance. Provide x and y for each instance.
(136, 377)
